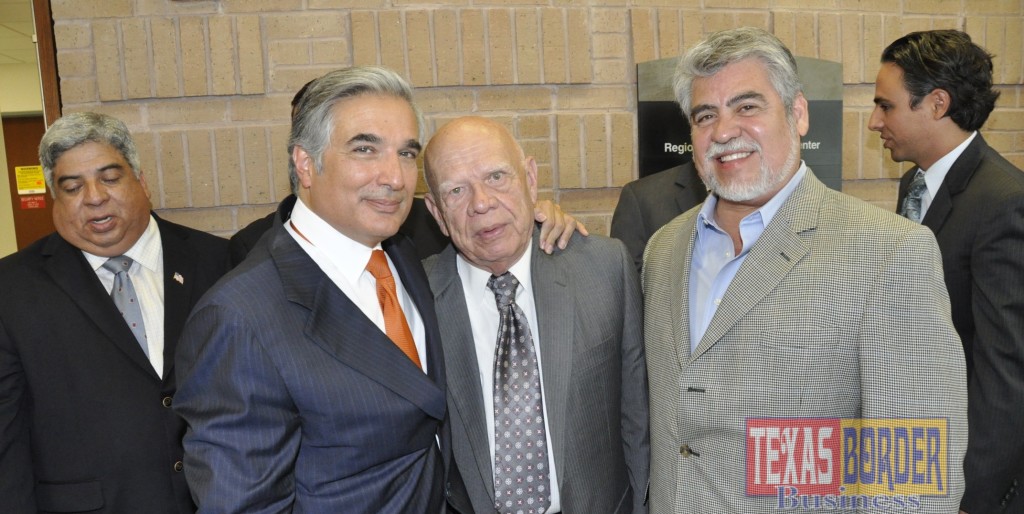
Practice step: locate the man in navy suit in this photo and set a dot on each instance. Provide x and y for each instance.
(85, 418)
(933, 92)
(297, 394)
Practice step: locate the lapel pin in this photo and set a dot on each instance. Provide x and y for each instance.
(178, 278)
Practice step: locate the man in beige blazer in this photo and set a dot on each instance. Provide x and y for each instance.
(779, 305)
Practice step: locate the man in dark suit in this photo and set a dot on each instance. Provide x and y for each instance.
(582, 334)
(647, 203)
(311, 377)
(85, 418)
(933, 92)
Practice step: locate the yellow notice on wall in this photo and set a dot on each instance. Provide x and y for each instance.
(30, 180)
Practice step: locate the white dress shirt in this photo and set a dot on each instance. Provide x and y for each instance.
(484, 321)
(147, 278)
(934, 176)
(344, 261)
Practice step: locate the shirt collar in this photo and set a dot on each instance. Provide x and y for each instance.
(147, 251)
(934, 176)
(347, 255)
(476, 278)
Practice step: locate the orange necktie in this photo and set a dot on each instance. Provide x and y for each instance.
(394, 319)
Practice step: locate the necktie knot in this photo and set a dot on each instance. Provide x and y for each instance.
(378, 265)
(504, 287)
(118, 264)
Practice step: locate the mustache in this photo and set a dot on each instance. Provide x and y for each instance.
(384, 193)
(715, 150)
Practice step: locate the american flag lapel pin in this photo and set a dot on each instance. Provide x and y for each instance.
(178, 278)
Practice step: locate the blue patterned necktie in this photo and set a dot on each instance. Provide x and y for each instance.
(125, 298)
(912, 203)
(521, 482)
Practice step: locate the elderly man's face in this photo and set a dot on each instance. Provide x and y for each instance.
(745, 147)
(100, 206)
(483, 191)
(366, 188)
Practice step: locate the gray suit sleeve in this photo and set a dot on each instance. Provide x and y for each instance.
(635, 414)
(628, 225)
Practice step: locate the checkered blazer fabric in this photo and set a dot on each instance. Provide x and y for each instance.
(839, 311)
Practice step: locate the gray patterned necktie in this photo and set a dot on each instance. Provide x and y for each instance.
(520, 444)
(125, 298)
(912, 203)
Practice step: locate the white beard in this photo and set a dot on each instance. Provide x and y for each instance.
(767, 180)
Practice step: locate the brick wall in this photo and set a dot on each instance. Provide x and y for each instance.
(206, 84)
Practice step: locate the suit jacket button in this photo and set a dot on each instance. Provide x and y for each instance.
(178, 466)
(448, 489)
(166, 401)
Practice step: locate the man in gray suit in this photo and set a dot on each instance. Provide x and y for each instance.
(581, 336)
(933, 92)
(796, 337)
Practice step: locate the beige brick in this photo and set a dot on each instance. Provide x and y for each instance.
(622, 148)
(129, 113)
(669, 33)
(200, 159)
(881, 192)
(598, 224)
(77, 64)
(932, 6)
(474, 56)
(1005, 120)
(588, 200)
(545, 179)
(304, 24)
(222, 55)
(247, 214)
(446, 48)
(734, 4)
(245, 6)
(975, 26)
(853, 134)
(807, 5)
(280, 187)
(872, 43)
(528, 59)
(613, 71)
(346, 4)
(759, 19)
(859, 95)
(290, 80)
(579, 64)
(392, 41)
(289, 52)
(500, 47)
(870, 6)
(78, 90)
(807, 39)
(518, 98)
(217, 221)
(829, 30)
(1009, 60)
(228, 165)
(1002, 142)
(108, 51)
(256, 158)
(260, 108)
(187, 112)
(417, 37)
(642, 23)
(72, 35)
(784, 28)
(173, 178)
(136, 58)
(194, 66)
(331, 51)
(693, 30)
(595, 154)
(250, 55)
(441, 100)
(166, 67)
(594, 98)
(64, 9)
(852, 56)
(145, 143)
(715, 21)
(364, 38)
(176, 8)
(569, 158)
(1006, 7)
(610, 46)
(609, 20)
(553, 46)
(675, 3)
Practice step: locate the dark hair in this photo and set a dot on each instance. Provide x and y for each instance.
(947, 60)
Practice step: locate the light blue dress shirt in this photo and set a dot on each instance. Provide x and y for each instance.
(714, 266)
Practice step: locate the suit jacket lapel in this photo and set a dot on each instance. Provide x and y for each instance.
(179, 270)
(959, 175)
(772, 257)
(556, 318)
(341, 329)
(680, 282)
(414, 280)
(71, 272)
(461, 363)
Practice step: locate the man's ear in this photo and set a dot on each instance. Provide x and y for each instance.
(435, 212)
(800, 114)
(939, 102)
(304, 168)
(531, 177)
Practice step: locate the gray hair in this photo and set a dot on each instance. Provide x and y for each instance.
(729, 46)
(84, 127)
(313, 122)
